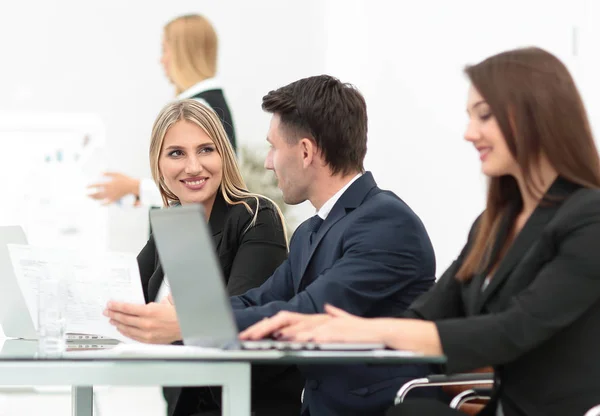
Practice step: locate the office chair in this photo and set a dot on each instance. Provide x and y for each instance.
(594, 411)
(467, 388)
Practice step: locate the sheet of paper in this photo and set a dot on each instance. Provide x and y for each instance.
(91, 279)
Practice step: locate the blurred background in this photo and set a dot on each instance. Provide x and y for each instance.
(90, 70)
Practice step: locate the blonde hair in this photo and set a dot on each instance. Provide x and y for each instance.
(232, 188)
(193, 45)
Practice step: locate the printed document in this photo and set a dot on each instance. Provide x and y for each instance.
(91, 281)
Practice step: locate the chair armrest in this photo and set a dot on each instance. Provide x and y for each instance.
(438, 380)
(475, 393)
(594, 411)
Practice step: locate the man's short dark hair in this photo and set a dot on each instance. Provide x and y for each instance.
(331, 113)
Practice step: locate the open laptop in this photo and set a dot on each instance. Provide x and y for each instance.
(14, 316)
(188, 258)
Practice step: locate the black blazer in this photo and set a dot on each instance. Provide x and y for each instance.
(216, 100)
(538, 321)
(247, 259)
(238, 251)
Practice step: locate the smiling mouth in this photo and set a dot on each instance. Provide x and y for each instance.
(483, 152)
(194, 183)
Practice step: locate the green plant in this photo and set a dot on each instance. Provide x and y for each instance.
(263, 181)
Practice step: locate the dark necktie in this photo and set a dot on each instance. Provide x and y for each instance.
(313, 226)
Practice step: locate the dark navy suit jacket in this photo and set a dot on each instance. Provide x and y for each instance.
(371, 257)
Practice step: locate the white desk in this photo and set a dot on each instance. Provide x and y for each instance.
(230, 369)
(233, 376)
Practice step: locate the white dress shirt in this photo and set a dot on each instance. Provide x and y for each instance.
(328, 206)
(163, 290)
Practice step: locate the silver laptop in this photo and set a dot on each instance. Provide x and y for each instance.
(187, 255)
(14, 316)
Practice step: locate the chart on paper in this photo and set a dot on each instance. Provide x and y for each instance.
(47, 162)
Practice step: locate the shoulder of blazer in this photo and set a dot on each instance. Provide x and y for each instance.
(579, 208)
(379, 203)
(239, 215)
(582, 207)
(239, 209)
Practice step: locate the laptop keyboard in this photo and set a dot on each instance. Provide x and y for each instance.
(307, 346)
(278, 345)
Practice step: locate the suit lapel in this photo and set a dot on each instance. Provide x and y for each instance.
(336, 214)
(218, 215)
(155, 282)
(475, 292)
(526, 238)
(349, 200)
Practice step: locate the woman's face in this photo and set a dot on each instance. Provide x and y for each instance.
(483, 131)
(190, 165)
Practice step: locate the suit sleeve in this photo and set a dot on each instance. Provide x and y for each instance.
(146, 263)
(564, 289)
(280, 286)
(261, 250)
(376, 265)
(444, 299)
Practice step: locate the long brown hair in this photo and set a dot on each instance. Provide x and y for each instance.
(539, 112)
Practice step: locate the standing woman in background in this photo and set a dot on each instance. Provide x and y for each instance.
(189, 58)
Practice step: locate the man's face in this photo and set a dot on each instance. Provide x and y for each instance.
(285, 160)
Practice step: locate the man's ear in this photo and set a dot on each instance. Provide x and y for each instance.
(309, 151)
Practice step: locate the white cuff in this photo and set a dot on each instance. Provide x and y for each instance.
(149, 194)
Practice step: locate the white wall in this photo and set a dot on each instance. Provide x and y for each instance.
(588, 59)
(407, 59)
(103, 57)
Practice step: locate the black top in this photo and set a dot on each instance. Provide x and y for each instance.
(238, 250)
(216, 100)
(538, 320)
(247, 259)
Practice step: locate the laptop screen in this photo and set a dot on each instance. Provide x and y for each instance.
(187, 254)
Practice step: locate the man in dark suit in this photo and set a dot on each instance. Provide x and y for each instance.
(364, 251)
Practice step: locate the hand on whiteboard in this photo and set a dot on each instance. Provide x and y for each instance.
(116, 187)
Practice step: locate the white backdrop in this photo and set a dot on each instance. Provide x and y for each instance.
(103, 57)
(406, 57)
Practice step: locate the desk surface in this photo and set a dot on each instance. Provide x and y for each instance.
(24, 350)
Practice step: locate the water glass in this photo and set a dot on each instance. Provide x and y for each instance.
(52, 323)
